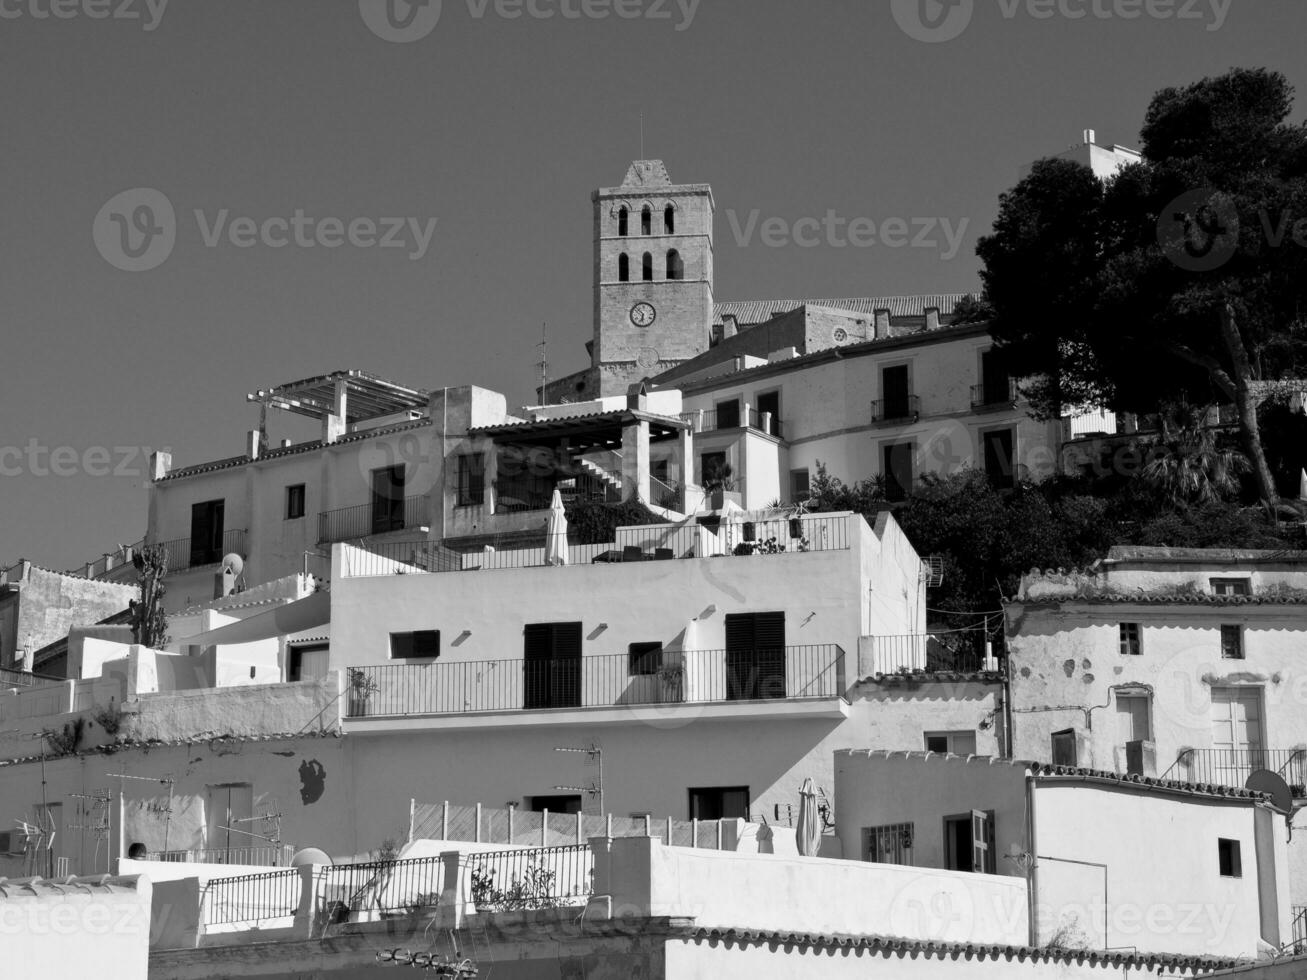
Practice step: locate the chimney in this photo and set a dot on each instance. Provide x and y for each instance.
(252, 440)
(285, 444)
(882, 324)
(730, 325)
(932, 317)
(160, 465)
(1090, 137)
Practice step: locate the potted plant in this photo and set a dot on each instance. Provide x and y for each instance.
(672, 676)
(361, 688)
(719, 485)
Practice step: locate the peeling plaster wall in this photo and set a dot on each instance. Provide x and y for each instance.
(49, 604)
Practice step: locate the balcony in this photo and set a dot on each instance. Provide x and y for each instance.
(257, 855)
(378, 517)
(668, 677)
(1232, 767)
(896, 411)
(994, 396)
(745, 417)
(188, 553)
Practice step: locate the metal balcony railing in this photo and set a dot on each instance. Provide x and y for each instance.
(544, 877)
(377, 517)
(252, 898)
(1299, 942)
(407, 885)
(745, 417)
(662, 677)
(1232, 767)
(186, 553)
(886, 411)
(1002, 394)
(928, 653)
(265, 855)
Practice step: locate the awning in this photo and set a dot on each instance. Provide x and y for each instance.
(293, 617)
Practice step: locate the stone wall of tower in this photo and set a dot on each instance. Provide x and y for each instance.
(623, 352)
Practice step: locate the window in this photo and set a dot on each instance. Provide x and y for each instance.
(228, 808)
(206, 532)
(554, 804)
(644, 658)
(755, 656)
(799, 485)
(768, 406)
(415, 645)
(896, 458)
(995, 383)
(969, 842)
(388, 499)
(1130, 643)
(471, 479)
(551, 665)
(309, 662)
(1132, 717)
(675, 266)
(887, 844)
(728, 414)
(669, 220)
(711, 466)
(294, 501)
(1000, 458)
(1227, 854)
(646, 267)
(895, 389)
(959, 743)
(1064, 748)
(719, 803)
(623, 268)
(623, 221)
(1231, 642)
(646, 221)
(1231, 586)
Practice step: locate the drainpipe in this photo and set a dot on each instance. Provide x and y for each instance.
(1032, 873)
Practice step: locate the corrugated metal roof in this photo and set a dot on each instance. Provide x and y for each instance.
(760, 310)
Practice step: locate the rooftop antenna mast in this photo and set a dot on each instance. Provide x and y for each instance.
(642, 136)
(544, 362)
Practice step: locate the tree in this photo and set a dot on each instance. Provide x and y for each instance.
(149, 624)
(1177, 280)
(1189, 464)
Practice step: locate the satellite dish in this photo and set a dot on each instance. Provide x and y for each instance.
(1273, 785)
(308, 856)
(233, 563)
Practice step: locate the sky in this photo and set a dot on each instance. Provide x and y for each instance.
(406, 190)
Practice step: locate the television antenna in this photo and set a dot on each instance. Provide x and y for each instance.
(593, 791)
(165, 780)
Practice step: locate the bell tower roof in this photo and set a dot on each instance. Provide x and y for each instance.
(647, 173)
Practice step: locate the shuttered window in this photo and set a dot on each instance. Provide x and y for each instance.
(755, 656)
(552, 665)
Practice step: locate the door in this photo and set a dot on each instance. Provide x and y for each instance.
(206, 532)
(894, 389)
(755, 656)
(228, 809)
(388, 499)
(552, 665)
(982, 842)
(1000, 462)
(897, 460)
(310, 663)
(728, 414)
(1236, 734)
(994, 379)
(769, 413)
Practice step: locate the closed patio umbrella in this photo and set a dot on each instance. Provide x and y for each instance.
(807, 832)
(556, 532)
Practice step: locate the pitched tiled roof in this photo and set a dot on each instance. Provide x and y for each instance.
(1167, 598)
(891, 945)
(1134, 552)
(151, 743)
(761, 310)
(38, 887)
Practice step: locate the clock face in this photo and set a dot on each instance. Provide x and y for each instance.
(642, 314)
